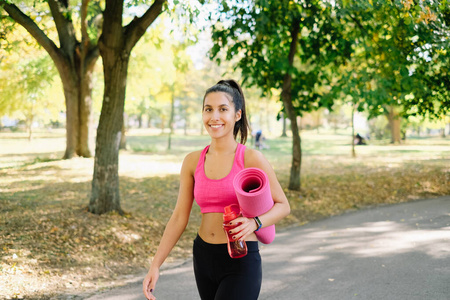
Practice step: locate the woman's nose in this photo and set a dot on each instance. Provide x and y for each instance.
(215, 115)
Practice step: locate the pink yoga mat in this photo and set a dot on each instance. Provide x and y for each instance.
(253, 192)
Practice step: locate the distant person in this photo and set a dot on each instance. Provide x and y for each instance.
(359, 140)
(207, 175)
(258, 138)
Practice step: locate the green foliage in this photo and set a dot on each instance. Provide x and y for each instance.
(27, 89)
(374, 53)
(94, 20)
(401, 58)
(260, 34)
(26, 77)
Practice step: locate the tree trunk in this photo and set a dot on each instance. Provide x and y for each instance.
(123, 137)
(286, 96)
(172, 114)
(149, 121)
(140, 120)
(105, 195)
(77, 94)
(71, 95)
(317, 120)
(163, 121)
(85, 113)
(29, 124)
(115, 45)
(394, 124)
(283, 133)
(353, 131)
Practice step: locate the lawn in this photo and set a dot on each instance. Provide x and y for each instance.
(50, 244)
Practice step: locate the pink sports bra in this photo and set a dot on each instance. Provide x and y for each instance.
(212, 195)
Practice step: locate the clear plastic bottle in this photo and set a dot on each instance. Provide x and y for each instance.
(236, 248)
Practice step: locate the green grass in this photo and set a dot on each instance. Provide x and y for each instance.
(180, 144)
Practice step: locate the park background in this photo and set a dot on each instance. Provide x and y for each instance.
(388, 83)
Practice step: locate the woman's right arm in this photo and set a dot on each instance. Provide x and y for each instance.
(176, 225)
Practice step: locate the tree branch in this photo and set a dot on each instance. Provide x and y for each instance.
(137, 28)
(17, 15)
(64, 26)
(287, 81)
(84, 34)
(91, 57)
(85, 41)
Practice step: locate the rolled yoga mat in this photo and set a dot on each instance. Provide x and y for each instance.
(253, 192)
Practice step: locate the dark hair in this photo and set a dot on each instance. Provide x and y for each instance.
(233, 89)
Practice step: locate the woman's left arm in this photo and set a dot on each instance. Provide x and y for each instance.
(280, 209)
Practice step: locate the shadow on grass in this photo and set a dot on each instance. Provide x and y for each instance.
(26, 159)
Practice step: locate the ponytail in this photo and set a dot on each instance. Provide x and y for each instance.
(234, 90)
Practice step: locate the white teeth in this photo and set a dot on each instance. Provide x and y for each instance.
(216, 126)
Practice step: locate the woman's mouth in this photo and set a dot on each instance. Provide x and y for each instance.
(216, 126)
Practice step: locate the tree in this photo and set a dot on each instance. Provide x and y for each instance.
(28, 90)
(401, 64)
(115, 45)
(74, 59)
(284, 45)
(431, 60)
(25, 86)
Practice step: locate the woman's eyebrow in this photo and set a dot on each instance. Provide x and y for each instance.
(220, 105)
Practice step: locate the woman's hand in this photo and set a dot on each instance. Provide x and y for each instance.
(149, 283)
(246, 227)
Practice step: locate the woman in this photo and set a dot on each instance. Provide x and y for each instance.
(207, 176)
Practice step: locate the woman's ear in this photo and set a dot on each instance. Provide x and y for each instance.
(238, 115)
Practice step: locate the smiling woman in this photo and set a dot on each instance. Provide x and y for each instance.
(229, 101)
(219, 115)
(207, 175)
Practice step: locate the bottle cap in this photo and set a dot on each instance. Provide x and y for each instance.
(229, 213)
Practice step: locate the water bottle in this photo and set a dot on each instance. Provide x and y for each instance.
(236, 248)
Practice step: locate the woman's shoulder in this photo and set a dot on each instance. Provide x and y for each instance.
(191, 160)
(254, 158)
(195, 155)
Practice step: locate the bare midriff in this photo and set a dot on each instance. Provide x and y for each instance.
(211, 230)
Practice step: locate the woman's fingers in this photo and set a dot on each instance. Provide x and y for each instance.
(247, 226)
(149, 283)
(148, 293)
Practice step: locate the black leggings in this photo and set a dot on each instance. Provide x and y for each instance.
(221, 277)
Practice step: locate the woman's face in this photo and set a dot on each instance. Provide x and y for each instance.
(219, 115)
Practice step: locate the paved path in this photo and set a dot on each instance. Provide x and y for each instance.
(391, 252)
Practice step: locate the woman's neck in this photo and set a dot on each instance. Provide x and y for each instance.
(223, 146)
